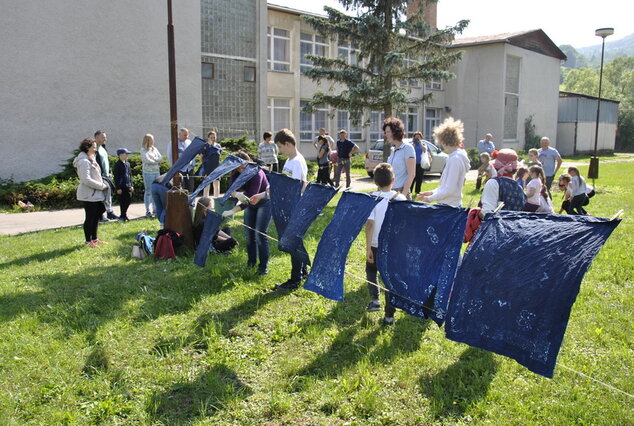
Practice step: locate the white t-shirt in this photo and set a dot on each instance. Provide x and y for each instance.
(537, 184)
(378, 213)
(296, 168)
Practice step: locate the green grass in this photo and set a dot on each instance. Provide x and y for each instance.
(93, 336)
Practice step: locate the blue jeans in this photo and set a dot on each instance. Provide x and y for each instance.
(258, 217)
(148, 178)
(159, 197)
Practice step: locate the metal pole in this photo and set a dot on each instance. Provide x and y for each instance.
(172, 88)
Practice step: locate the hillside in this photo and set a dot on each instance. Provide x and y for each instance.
(590, 56)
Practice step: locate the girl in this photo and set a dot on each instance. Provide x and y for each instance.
(222, 241)
(486, 171)
(534, 188)
(578, 192)
(151, 159)
(323, 174)
(520, 176)
(210, 158)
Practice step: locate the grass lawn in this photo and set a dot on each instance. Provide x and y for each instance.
(93, 336)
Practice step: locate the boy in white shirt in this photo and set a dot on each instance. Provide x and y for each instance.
(296, 168)
(384, 179)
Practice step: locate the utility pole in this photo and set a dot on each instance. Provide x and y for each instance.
(172, 88)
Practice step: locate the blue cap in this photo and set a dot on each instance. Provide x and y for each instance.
(123, 151)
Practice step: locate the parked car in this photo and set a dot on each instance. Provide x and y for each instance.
(375, 155)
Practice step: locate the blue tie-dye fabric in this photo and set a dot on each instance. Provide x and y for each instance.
(231, 163)
(326, 275)
(418, 253)
(315, 198)
(188, 155)
(285, 194)
(249, 171)
(212, 223)
(518, 281)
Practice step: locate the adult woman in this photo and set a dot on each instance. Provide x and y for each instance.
(449, 192)
(257, 215)
(210, 158)
(90, 190)
(402, 158)
(421, 149)
(151, 159)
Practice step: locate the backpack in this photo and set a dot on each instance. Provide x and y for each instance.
(166, 243)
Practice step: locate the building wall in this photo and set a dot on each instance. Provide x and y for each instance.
(78, 66)
(584, 132)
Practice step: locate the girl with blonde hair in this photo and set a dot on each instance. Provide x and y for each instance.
(151, 159)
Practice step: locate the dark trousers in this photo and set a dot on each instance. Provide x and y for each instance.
(299, 269)
(124, 201)
(371, 275)
(418, 179)
(274, 167)
(94, 210)
(576, 205)
(258, 217)
(323, 175)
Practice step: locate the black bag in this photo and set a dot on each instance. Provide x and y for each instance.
(107, 180)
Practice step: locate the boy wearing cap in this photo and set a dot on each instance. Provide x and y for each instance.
(123, 182)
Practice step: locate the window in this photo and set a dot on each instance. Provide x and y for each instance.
(309, 124)
(249, 74)
(376, 125)
(344, 122)
(433, 84)
(432, 119)
(511, 97)
(410, 120)
(280, 113)
(279, 42)
(412, 82)
(348, 52)
(311, 44)
(208, 70)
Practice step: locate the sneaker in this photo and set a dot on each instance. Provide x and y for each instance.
(389, 321)
(287, 285)
(262, 271)
(100, 241)
(112, 216)
(123, 218)
(149, 214)
(104, 219)
(92, 244)
(374, 306)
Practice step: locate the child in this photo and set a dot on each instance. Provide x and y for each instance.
(323, 159)
(222, 242)
(486, 171)
(384, 179)
(267, 152)
(210, 159)
(520, 177)
(295, 167)
(534, 189)
(533, 158)
(123, 182)
(577, 188)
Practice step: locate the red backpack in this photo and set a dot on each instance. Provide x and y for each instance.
(166, 243)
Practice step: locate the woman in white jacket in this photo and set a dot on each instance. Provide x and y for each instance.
(449, 135)
(90, 190)
(151, 159)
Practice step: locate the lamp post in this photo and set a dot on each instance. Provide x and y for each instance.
(593, 171)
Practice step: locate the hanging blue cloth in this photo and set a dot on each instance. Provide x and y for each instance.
(249, 171)
(212, 223)
(231, 163)
(418, 254)
(188, 155)
(518, 281)
(326, 275)
(285, 194)
(315, 198)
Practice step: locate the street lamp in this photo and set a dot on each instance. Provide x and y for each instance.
(593, 171)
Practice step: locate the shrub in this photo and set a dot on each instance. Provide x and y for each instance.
(531, 140)
(474, 158)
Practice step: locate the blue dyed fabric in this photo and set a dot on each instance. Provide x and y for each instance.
(518, 281)
(212, 223)
(418, 254)
(188, 155)
(315, 198)
(326, 275)
(511, 194)
(285, 194)
(249, 171)
(230, 164)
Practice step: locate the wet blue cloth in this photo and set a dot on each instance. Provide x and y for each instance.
(326, 275)
(188, 155)
(315, 198)
(230, 164)
(418, 254)
(517, 283)
(212, 223)
(285, 194)
(249, 171)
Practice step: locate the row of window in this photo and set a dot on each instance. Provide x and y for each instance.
(309, 124)
(208, 72)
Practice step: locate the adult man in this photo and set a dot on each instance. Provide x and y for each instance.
(331, 142)
(102, 159)
(550, 159)
(188, 170)
(486, 144)
(345, 149)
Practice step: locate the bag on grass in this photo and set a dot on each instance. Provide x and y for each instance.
(146, 242)
(138, 252)
(166, 244)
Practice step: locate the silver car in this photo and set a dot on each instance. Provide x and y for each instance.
(375, 156)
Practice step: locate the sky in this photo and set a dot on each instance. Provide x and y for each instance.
(564, 21)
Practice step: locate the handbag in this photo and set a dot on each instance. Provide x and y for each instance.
(425, 163)
(138, 252)
(107, 180)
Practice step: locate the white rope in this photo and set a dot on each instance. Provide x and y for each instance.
(598, 381)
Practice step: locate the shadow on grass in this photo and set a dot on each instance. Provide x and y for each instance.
(464, 382)
(40, 257)
(209, 392)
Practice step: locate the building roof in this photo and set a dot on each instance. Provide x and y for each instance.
(534, 40)
(292, 11)
(563, 94)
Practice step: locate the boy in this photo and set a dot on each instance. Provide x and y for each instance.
(384, 179)
(123, 182)
(295, 167)
(267, 152)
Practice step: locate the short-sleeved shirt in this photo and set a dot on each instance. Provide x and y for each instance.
(324, 160)
(344, 148)
(485, 146)
(537, 184)
(296, 167)
(548, 158)
(267, 153)
(378, 213)
(398, 160)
